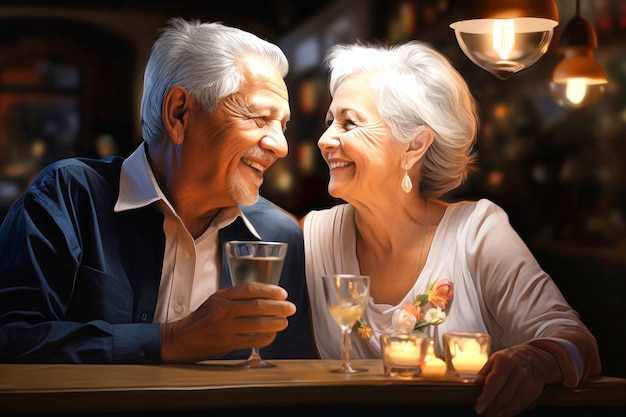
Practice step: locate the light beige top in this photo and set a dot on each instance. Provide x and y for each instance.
(499, 288)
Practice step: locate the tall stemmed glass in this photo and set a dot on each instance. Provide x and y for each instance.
(255, 261)
(346, 297)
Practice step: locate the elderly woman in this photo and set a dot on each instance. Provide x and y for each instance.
(401, 126)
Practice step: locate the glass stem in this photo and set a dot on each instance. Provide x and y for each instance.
(254, 355)
(345, 349)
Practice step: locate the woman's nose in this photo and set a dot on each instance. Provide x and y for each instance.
(328, 141)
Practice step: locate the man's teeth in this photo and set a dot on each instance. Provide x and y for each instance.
(253, 164)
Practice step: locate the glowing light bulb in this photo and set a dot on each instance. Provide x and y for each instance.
(578, 80)
(576, 89)
(503, 37)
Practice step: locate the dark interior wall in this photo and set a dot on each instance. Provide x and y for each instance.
(105, 62)
(64, 85)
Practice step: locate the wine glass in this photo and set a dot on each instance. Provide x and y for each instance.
(346, 296)
(255, 261)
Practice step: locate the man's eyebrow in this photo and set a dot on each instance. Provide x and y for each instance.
(257, 107)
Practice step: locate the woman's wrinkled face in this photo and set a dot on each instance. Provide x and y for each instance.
(363, 158)
(245, 135)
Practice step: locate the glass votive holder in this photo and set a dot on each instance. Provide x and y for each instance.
(403, 354)
(465, 353)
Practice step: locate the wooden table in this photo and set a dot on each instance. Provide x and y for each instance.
(293, 384)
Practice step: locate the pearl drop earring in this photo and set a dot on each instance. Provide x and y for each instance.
(407, 184)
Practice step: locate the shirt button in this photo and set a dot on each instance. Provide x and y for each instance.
(178, 308)
(141, 353)
(144, 316)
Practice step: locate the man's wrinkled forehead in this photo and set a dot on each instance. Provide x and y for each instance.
(261, 75)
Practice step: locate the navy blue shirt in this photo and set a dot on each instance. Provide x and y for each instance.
(79, 281)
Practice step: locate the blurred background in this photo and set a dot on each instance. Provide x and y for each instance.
(71, 74)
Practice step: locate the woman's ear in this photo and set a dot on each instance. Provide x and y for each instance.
(176, 107)
(419, 145)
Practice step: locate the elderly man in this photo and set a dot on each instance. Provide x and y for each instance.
(120, 260)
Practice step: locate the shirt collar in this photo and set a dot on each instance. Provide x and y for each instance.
(139, 188)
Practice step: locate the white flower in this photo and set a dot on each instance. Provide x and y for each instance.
(403, 321)
(435, 316)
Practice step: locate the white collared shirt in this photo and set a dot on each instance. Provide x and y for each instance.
(191, 268)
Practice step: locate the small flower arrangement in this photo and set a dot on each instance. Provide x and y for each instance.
(411, 318)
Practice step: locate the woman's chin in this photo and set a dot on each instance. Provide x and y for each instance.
(334, 192)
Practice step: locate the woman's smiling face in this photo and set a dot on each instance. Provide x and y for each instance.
(362, 156)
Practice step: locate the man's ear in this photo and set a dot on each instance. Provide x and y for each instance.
(419, 145)
(176, 107)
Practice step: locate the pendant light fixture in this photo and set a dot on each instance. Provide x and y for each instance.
(578, 80)
(504, 36)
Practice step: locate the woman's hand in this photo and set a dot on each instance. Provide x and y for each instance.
(514, 378)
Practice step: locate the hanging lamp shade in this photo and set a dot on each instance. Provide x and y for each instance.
(504, 36)
(578, 80)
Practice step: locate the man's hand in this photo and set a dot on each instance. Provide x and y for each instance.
(233, 318)
(514, 378)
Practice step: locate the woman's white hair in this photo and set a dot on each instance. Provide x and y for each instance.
(203, 58)
(416, 86)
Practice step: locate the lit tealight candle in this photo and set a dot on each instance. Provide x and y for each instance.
(469, 362)
(466, 353)
(403, 354)
(434, 368)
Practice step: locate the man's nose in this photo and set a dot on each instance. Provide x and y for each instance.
(276, 143)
